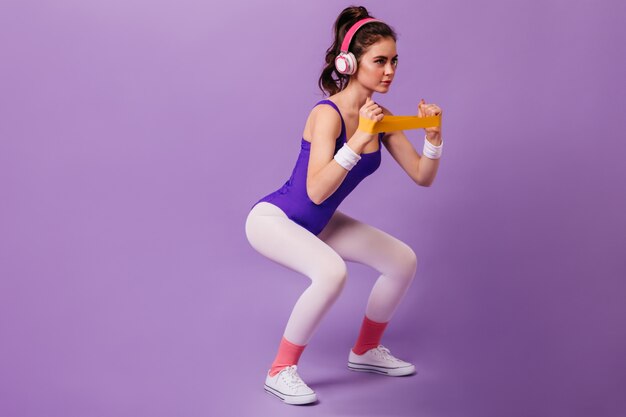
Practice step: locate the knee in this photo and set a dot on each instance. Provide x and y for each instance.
(406, 262)
(332, 277)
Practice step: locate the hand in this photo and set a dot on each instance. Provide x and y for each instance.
(433, 134)
(371, 111)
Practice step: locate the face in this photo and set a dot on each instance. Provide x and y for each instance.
(377, 65)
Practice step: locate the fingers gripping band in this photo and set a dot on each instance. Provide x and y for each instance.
(346, 157)
(391, 123)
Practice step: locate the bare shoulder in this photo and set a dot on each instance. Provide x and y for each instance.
(323, 123)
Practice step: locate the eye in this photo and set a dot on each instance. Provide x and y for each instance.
(381, 61)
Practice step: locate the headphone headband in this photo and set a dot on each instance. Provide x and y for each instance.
(348, 38)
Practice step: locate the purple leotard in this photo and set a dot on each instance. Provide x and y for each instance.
(293, 199)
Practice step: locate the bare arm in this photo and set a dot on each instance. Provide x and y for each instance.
(325, 175)
(422, 170)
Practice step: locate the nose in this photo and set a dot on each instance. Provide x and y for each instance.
(389, 69)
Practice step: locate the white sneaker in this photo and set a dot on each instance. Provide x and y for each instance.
(288, 386)
(379, 360)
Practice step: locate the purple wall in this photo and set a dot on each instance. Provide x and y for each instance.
(127, 285)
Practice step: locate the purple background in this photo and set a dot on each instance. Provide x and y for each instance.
(127, 169)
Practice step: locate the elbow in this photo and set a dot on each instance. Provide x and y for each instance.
(423, 183)
(315, 199)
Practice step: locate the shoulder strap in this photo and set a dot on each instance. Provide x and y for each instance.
(326, 101)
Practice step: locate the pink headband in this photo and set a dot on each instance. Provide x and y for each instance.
(348, 38)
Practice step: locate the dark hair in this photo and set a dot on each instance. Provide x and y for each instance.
(365, 37)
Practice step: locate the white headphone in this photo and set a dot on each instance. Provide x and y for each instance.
(345, 62)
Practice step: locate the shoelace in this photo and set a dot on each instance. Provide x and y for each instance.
(292, 378)
(386, 354)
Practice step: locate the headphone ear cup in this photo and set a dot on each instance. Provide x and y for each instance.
(345, 63)
(352, 63)
(341, 63)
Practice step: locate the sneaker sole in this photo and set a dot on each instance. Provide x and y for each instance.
(291, 399)
(359, 367)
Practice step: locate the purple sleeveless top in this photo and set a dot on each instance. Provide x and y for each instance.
(293, 199)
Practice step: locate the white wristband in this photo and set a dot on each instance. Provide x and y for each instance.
(431, 151)
(346, 157)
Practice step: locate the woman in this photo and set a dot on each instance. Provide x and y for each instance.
(299, 225)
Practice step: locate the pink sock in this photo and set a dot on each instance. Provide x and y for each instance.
(369, 337)
(288, 354)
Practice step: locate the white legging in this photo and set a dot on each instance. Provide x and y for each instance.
(322, 259)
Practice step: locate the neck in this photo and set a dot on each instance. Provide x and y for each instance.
(354, 95)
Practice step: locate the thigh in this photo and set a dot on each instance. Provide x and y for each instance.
(277, 237)
(359, 242)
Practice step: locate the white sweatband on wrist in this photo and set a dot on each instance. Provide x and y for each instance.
(346, 157)
(431, 151)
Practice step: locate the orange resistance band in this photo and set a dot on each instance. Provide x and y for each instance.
(391, 123)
